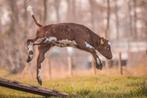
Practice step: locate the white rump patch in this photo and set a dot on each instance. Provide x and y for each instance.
(88, 45)
(30, 10)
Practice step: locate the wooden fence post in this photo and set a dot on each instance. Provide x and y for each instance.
(70, 65)
(69, 58)
(93, 64)
(50, 68)
(120, 64)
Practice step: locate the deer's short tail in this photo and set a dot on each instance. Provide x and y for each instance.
(37, 23)
(30, 10)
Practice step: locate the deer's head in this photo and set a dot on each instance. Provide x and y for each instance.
(104, 48)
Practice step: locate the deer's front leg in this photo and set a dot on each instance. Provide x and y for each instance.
(96, 57)
(89, 48)
(42, 50)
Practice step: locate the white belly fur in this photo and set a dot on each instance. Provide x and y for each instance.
(61, 43)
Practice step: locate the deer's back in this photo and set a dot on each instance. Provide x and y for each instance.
(72, 31)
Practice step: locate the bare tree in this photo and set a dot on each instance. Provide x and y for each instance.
(45, 2)
(14, 17)
(108, 19)
(57, 9)
(71, 12)
(92, 11)
(130, 17)
(135, 18)
(117, 19)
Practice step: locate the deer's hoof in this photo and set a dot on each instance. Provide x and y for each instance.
(99, 66)
(29, 59)
(39, 80)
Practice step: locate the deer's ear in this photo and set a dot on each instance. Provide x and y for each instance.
(101, 41)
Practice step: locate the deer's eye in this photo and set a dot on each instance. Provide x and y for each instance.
(107, 48)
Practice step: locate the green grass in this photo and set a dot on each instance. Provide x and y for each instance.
(100, 86)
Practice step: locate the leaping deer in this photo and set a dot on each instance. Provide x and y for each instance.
(67, 35)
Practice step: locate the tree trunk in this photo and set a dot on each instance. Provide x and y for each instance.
(117, 20)
(108, 19)
(120, 64)
(135, 18)
(57, 7)
(45, 11)
(131, 18)
(92, 13)
(71, 12)
(108, 24)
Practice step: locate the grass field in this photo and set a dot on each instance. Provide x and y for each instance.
(98, 86)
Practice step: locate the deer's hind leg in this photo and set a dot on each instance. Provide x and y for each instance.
(30, 47)
(42, 50)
